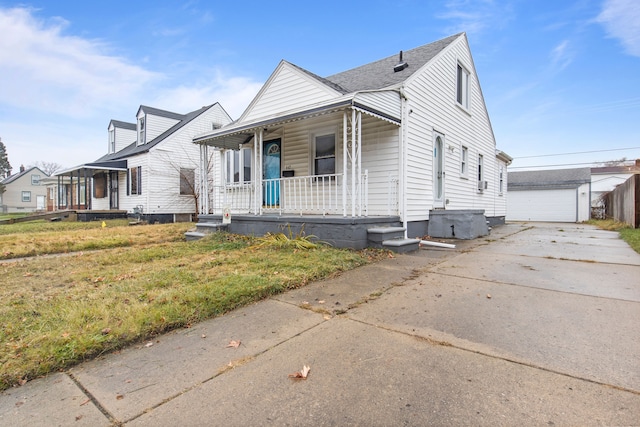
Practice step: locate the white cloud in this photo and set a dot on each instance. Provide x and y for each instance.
(561, 56)
(44, 69)
(475, 17)
(621, 20)
(233, 93)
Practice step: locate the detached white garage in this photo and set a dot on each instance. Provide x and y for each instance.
(561, 195)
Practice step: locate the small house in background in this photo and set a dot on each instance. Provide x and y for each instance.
(398, 148)
(24, 191)
(151, 168)
(560, 195)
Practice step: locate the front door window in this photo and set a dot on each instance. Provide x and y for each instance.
(271, 173)
(438, 171)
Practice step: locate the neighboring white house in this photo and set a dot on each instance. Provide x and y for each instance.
(151, 167)
(607, 178)
(559, 195)
(387, 143)
(24, 191)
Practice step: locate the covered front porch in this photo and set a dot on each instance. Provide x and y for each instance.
(314, 162)
(77, 187)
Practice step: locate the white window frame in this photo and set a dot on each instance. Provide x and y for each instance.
(314, 157)
(187, 181)
(480, 173)
(138, 181)
(35, 179)
(238, 159)
(112, 140)
(464, 161)
(462, 85)
(501, 180)
(26, 197)
(142, 130)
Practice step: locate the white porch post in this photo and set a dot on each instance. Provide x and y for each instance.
(204, 179)
(258, 181)
(359, 162)
(345, 124)
(353, 162)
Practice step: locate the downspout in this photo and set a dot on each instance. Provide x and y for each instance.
(403, 160)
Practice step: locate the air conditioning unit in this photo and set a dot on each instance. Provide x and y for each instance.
(483, 185)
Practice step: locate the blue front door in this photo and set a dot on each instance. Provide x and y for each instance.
(271, 171)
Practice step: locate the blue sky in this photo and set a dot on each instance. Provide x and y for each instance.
(557, 76)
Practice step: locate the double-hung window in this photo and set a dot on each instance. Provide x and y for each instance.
(26, 196)
(134, 178)
(35, 179)
(462, 87)
(141, 131)
(464, 161)
(112, 140)
(187, 182)
(238, 166)
(480, 172)
(324, 156)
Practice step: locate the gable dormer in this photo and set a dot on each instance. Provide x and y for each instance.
(120, 135)
(151, 122)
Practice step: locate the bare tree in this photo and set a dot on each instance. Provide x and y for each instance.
(620, 162)
(47, 167)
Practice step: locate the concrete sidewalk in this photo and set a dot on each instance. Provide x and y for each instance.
(536, 324)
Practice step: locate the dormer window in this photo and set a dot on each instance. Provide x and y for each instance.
(112, 140)
(141, 131)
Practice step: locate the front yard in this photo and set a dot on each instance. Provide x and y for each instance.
(102, 288)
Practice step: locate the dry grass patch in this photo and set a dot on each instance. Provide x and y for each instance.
(628, 234)
(42, 238)
(58, 311)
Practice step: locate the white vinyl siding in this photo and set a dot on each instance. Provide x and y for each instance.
(288, 88)
(432, 95)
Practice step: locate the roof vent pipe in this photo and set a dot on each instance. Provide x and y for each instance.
(401, 65)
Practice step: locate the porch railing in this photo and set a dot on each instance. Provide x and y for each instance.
(307, 195)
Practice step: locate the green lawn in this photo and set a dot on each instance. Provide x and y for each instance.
(59, 310)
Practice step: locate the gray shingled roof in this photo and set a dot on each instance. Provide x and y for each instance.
(548, 179)
(380, 74)
(123, 125)
(15, 176)
(133, 148)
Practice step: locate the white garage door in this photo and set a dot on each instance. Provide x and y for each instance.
(542, 205)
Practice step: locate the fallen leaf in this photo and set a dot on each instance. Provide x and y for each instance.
(19, 404)
(488, 296)
(327, 317)
(302, 375)
(106, 331)
(233, 343)
(203, 336)
(27, 275)
(149, 344)
(119, 397)
(65, 335)
(78, 418)
(321, 301)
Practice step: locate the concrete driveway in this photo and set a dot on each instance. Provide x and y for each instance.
(538, 324)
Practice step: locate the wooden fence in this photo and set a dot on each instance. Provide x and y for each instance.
(623, 203)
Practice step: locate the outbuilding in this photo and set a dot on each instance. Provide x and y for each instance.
(560, 195)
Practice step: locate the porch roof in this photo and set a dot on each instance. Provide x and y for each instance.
(235, 134)
(113, 165)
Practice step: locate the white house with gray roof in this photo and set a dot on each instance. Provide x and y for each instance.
(558, 195)
(388, 145)
(151, 167)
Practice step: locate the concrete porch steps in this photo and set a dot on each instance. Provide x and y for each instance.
(391, 238)
(204, 228)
